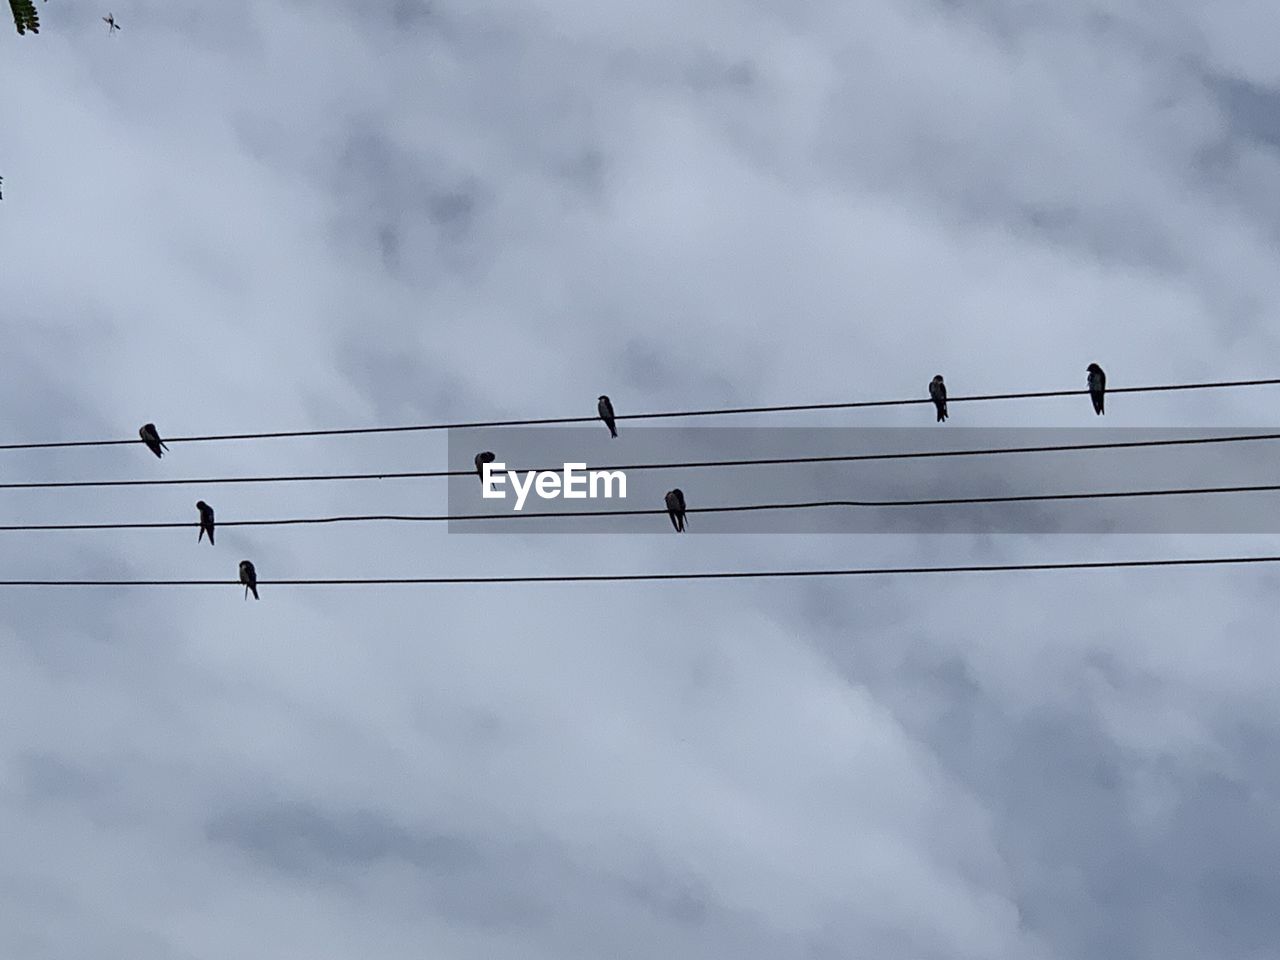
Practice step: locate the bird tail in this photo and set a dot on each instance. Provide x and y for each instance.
(613, 431)
(211, 538)
(254, 588)
(200, 536)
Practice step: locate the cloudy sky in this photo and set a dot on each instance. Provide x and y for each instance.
(279, 215)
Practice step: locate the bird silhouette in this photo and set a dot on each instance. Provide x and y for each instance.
(206, 521)
(249, 577)
(938, 393)
(481, 460)
(110, 21)
(605, 408)
(1097, 388)
(676, 508)
(152, 439)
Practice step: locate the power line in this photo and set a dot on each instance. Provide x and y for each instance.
(646, 511)
(637, 577)
(671, 414)
(675, 465)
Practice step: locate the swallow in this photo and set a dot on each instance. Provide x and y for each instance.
(676, 508)
(110, 21)
(249, 577)
(481, 460)
(605, 409)
(152, 439)
(1097, 387)
(206, 521)
(938, 393)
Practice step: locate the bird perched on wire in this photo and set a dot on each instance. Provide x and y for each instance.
(481, 460)
(605, 408)
(938, 393)
(676, 508)
(206, 521)
(152, 439)
(1097, 387)
(110, 21)
(249, 577)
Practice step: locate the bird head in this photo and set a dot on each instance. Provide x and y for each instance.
(1093, 368)
(201, 506)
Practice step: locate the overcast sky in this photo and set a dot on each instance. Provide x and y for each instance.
(277, 215)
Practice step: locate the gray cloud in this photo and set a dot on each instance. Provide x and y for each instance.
(282, 215)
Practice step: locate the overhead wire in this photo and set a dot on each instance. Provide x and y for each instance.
(647, 511)
(669, 414)
(673, 465)
(722, 575)
(640, 577)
